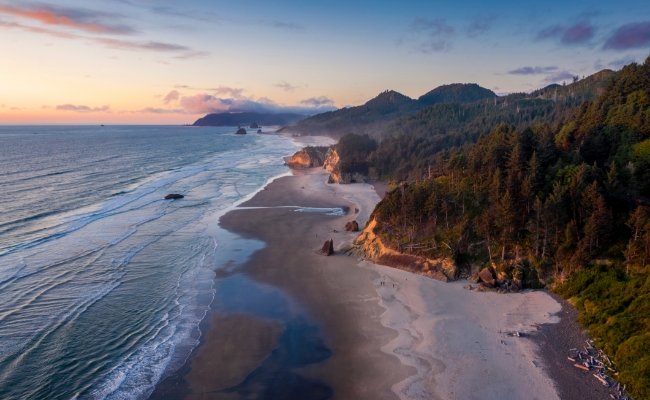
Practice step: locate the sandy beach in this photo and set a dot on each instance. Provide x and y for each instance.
(289, 323)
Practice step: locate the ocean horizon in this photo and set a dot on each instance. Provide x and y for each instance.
(103, 283)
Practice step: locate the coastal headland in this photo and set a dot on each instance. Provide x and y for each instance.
(289, 322)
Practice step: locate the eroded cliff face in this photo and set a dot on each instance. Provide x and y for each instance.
(338, 174)
(369, 245)
(309, 157)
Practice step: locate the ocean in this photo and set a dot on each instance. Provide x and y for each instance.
(102, 282)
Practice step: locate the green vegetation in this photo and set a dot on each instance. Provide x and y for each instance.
(456, 93)
(560, 185)
(615, 307)
(371, 117)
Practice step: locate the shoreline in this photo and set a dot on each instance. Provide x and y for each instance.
(383, 343)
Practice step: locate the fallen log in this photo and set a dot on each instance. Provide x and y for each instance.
(602, 380)
(581, 367)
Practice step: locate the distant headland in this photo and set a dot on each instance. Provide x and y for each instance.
(248, 119)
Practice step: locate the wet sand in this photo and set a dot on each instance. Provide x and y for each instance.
(326, 327)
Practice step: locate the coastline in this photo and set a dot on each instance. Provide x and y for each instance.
(374, 341)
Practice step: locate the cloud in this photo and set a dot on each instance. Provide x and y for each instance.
(234, 92)
(82, 109)
(287, 87)
(532, 70)
(204, 103)
(621, 62)
(3, 105)
(289, 26)
(579, 33)
(153, 110)
(76, 18)
(559, 77)
(152, 46)
(171, 96)
(480, 25)
(317, 102)
(14, 109)
(629, 36)
(437, 34)
(192, 54)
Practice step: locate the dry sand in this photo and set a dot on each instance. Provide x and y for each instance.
(418, 339)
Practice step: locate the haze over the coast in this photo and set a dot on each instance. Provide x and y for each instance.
(129, 61)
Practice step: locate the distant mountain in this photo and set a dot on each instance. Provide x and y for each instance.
(456, 93)
(248, 118)
(588, 88)
(388, 106)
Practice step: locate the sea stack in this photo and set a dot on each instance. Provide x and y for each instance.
(241, 131)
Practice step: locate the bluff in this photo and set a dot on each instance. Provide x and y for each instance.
(309, 157)
(247, 119)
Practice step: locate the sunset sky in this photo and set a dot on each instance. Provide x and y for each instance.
(170, 62)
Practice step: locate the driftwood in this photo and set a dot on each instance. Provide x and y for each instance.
(581, 367)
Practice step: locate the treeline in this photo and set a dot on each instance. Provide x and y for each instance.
(568, 197)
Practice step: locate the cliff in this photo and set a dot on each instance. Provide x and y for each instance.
(309, 157)
(369, 245)
(344, 172)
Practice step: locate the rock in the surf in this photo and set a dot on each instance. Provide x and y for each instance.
(241, 131)
(352, 226)
(328, 248)
(174, 196)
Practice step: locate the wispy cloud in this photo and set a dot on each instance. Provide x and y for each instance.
(532, 70)
(578, 33)
(290, 26)
(287, 87)
(480, 25)
(153, 110)
(192, 54)
(171, 96)
(629, 36)
(119, 44)
(76, 18)
(234, 92)
(204, 103)
(436, 34)
(317, 102)
(621, 62)
(82, 109)
(558, 77)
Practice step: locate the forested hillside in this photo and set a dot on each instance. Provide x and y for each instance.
(371, 117)
(562, 189)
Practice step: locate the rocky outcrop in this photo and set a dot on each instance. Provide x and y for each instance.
(352, 226)
(309, 157)
(341, 173)
(241, 131)
(327, 249)
(174, 196)
(485, 276)
(369, 245)
(509, 277)
(259, 131)
(254, 125)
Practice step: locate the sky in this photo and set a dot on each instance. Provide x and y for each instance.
(171, 62)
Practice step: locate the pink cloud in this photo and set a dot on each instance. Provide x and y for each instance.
(77, 18)
(171, 96)
(82, 109)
